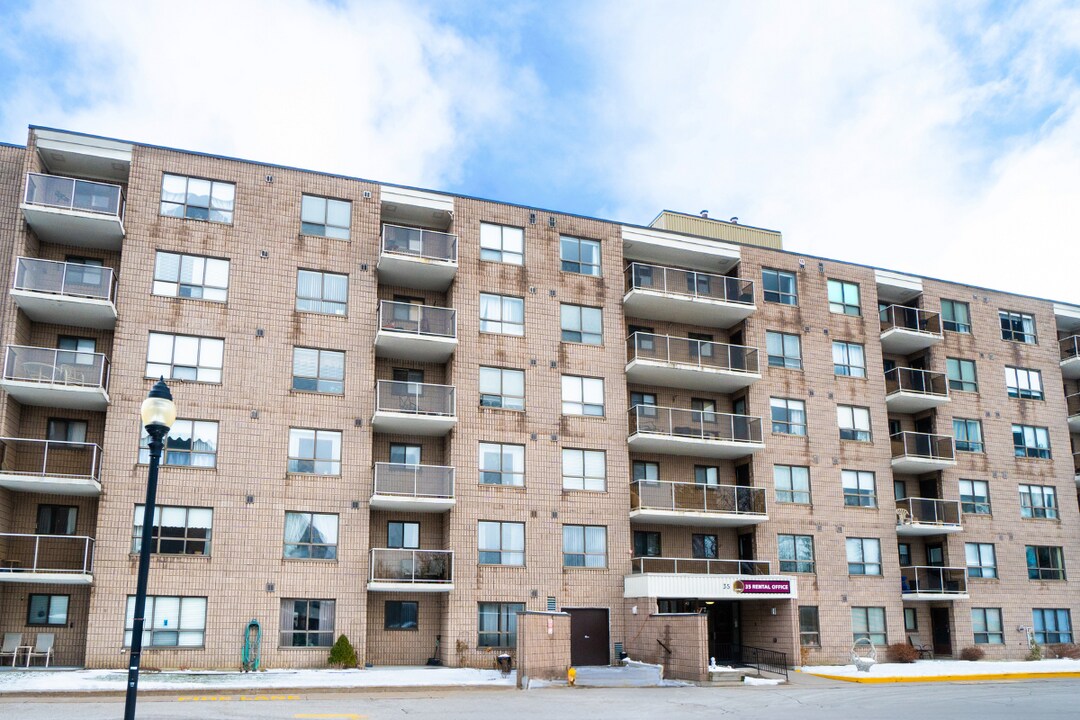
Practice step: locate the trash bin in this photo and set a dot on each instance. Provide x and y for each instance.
(505, 663)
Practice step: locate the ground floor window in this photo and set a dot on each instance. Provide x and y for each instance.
(401, 615)
(809, 629)
(911, 619)
(1051, 625)
(498, 624)
(987, 627)
(170, 621)
(307, 623)
(47, 610)
(868, 622)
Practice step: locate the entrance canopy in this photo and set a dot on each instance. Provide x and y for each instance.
(711, 587)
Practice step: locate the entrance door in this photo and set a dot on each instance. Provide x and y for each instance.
(588, 636)
(746, 552)
(724, 631)
(940, 631)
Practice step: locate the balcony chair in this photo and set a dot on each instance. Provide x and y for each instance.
(12, 646)
(925, 651)
(43, 648)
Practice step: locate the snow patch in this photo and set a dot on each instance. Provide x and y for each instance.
(762, 681)
(938, 668)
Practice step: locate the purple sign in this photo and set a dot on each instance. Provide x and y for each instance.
(771, 587)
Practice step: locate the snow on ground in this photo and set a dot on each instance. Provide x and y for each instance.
(937, 668)
(762, 681)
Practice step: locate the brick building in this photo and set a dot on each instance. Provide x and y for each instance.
(405, 416)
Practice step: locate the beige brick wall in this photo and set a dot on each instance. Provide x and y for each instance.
(543, 647)
(678, 642)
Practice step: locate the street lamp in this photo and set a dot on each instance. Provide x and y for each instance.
(158, 414)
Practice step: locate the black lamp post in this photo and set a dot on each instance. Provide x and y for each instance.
(158, 415)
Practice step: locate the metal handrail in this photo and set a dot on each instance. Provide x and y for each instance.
(56, 367)
(432, 244)
(1070, 347)
(11, 459)
(933, 579)
(700, 424)
(699, 354)
(688, 283)
(13, 563)
(903, 317)
(699, 566)
(927, 511)
(413, 566)
(772, 661)
(401, 396)
(687, 496)
(417, 319)
(926, 382)
(420, 481)
(925, 445)
(73, 194)
(51, 276)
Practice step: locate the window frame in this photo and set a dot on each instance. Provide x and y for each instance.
(795, 564)
(854, 432)
(787, 362)
(585, 553)
(869, 619)
(506, 305)
(985, 557)
(1010, 320)
(400, 624)
(153, 603)
(581, 394)
(506, 401)
(583, 338)
(501, 249)
(159, 286)
(788, 494)
(854, 493)
(172, 453)
(333, 464)
(1052, 569)
(506, 624)
(157, 537)
(779, 295)
(962, 327)
(860, 565)
(811, 637)
(187, 204)
(1032, 452)
(506, 556)
(1025, 388)
(977, 506)
(844, 303)
(643, 539)
(848, 368)
(320, 304)
(50, 598)
(565, 265)
(790, 407)
(405, 528)
(312, 229)
(517, 476)
(324, 385)
(312, 550)
(987, 632)
(324, 637)
(53, 525)
(73, 430)
(968, 444)
(961, 380)
(585, 478)
(1048, 510)
(204, 345)
(1061, 635)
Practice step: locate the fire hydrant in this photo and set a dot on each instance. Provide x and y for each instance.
(571, 676)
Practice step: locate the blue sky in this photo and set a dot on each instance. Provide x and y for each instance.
(929, 137)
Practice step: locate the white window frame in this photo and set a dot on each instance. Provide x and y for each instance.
(849, 359)
(1024, 383)
(196, 277)
(321, 217)
(506, 305)
(506, 397)
(202, 357)
(511, 544)
(855, 421)
(579, 396)
(502, 244)
(859, 488)
(331, 465)
(512, 475)
(584, 470)
(218, 209)
(189, 626)
(787, 361)
(572, 320)
(861, 553)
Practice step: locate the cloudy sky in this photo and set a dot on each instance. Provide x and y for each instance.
(941, 138)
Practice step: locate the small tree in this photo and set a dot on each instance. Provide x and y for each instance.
(342, 655)
(972, 654)
(902, 653)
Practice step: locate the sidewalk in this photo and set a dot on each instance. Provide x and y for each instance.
(948, 671)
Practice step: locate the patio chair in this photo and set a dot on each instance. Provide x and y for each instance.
(925, 651)
(12, 646)
(43, 647)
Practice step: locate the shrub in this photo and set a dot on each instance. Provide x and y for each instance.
(1063, 650)
(972, 654)
(902, 653)
(1036, 652)
(342, 655)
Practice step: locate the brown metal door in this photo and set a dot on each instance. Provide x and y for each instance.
(588, 636)
(940, 631)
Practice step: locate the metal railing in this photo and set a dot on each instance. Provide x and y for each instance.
(419, 243)
(701, 354)
(1072, 403)
(49, 458)
(688, 283)
(71, 194)
(922, 445)
(731, 499)
(64, 278)
(772, 661)
(699, 566)
(699, 424)
(1070, 347)
(402, 317)
(412, 566)
(908, 318)
(926, 382)
(420, 481)
(933, 580)
(399, 396)
(927, 511)
(56, 367)
(25, 553)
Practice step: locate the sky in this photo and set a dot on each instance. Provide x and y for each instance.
(937, 138)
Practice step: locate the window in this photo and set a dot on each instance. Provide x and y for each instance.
(322, 292)
(961, 374)
(1023, 383)
(75, 350)
(584, 470)
(502, 244)
(325, 217)
(779, 286)
(788, 416)
(184, 357)
(176, 530)
(854, 423)
(903, 552)
(849, 359)
(56, 519)
(869, 623)
(1051, 625)
(584, 546)
(311, 536)
(792, 484)
(975, 497)
(968, 435)
(911, 619)
(401, 615)
(402, 535)
(647, 544)
(809, 627)
(501, 543)
(640, 398)
(47, 610)
(582, 396)
(197, 199)
(170, 621)
(307, 623)
(784, 350)
(844, 298)
(318, 370)
(502, 388)
(796, 553)
(498, 624)
(646, 470)
(703, 547)
(191, 276)
(315, 451)
(579, 256)
(1038, 501)
(955, 316)
(1032, 442)
(981, 560)
(64, 430)
(582, 324)
(502, 314)
(987, 627)
(863, 556)
(706, 475)
(1045, 562)
(502, 464)
(405, 453)
(1017, 327)
(191, 443)
(644, 339)
(84, 271)
(859, 488)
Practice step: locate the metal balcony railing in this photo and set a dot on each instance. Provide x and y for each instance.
(697, 566)
(399, 396)
(57, 554)
(922, 445)
(908, 318)
(720, 499)
(925, 382)
(419, 243)
(927, 511)
(411, 319)
(71, 194)
(56, 367)
(686, 352)
(49, 458)
(688, 283)
(699, 424)
(412, 566)
(419, 481)
(66, 279)
(1072, 402)
(1070, 347)
(927, 579)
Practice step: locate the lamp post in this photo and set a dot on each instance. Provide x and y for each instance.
(158, 414)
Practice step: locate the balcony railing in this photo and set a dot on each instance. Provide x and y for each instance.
(923, 579)
(696, 566)
(693, 497)
(418, 243)
(419, 567)
(688, 283)
(698, 424)
(700, 354)
(70, 194)
(1072, 403)
(56, 367)
(928, 511)
(912, 380)
(903, 317)
(45, 554)
(66, 279)
(1070, 347)
(414, 481)
(420, 320)
(412, 398)
(922, 445)
(49, 458)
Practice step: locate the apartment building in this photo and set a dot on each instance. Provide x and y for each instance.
(405, 416)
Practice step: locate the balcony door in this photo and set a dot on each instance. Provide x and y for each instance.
(940, 631)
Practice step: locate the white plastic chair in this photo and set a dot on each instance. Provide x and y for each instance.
(43, 647)
(12, 645)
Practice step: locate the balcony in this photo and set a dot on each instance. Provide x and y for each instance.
(413, 488)
(408, 408)
(905, 330)
(1072, 402)
(690, 364)
(412, 571)
(908, 390)
(1070, 357)
(74, 212)
(682, 503)
(417, 258)
(416, 332)
(663, 577)
(914, 453)
(685, 296)
(50, 467)
(56, 378)
(54, 559)
(693, 432)
(927, 516)
(924, 582)
(65, 293)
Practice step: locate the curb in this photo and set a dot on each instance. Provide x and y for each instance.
(949, 678)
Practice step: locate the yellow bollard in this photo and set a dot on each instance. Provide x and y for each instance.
(571, 676)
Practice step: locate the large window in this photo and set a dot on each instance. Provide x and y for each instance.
(191, 276)
(322, 292)
(497, 623)
(1023, 383)
(502, 388)
(792, 484)
(1051, 625)
(318, 370)
(401, 615)
(502, 244)
(704, 546)
(184, 357)
(176, 530)
(502, 314)
(869, 623)
(987, 627)
(197, 199)
(981, 560)
(779, 286)
(307, 623)
(192, 443)
(809, 627)
(311, 536)
(784, 350)
(975, 497)
(844, 298)
(863, 556)
(47, 610)
(859, 488)
(579, 256)
(584, 546)
(1031, 442)
(1038, 501)
(502, 464)
(955, 316)
(581, 324)
(854, 423)
(66, 430)
(315, 451)
(582, 396)
(1045, 562)
(961, 374)
(56, 519)
(647, 544)
(1017, 327)
(169, 621)
(501, 543)
(788, 416)
(401, 535)
(643, 470)
(796, 553)
(968, 435)
(584, 469)
(849, 359)
(325, 217)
